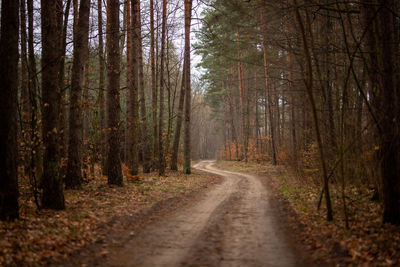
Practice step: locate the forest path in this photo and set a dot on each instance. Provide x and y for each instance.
(233, 225)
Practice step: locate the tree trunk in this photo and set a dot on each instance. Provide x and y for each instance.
(101, 87)
(383, 46)
(113, 164)
(292, 117)
(134, 87)
(8, 110)
(61, 78)
(24, 100)
(161, 130)
(129, 110)
(74, 166)
(309, 86)
(86, 148)
(177, 137)
(36, 167)
(25, 103)
(53, 194)
(145, 138)
(133, 162)
(188, 95)
(242, 98)
(153, 86)
(268, 87)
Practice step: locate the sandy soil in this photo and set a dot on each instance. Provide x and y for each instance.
(234, 224)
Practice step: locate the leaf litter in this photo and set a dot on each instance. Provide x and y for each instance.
(42, 237)
(367, 242)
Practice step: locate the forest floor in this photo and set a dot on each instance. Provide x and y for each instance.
(93, 216)
(367, 242)
(224, 214)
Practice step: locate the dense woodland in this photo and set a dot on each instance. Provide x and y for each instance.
(311, 84)
(95, 87)
(91, 84)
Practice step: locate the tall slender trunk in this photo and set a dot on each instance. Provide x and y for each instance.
(126, 30)
(113, 164)
(129, 109)
(143, 122)
(26, 109)
(309, 86)
(8, 110)
(188, 95)
(85, 119)
(277, 113)
(383, 46)
(170, 102)
(133, 161)
(24, 100)
(61, 81)
(161, 130)
(74, 165)
(242, 94)
(178, 127)
(53, 194)
(102, 123)
(292, 117)
(36, 167)
(31, 54)
(268, 87)
(153, 86)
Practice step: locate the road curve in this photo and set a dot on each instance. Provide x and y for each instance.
(233, 225)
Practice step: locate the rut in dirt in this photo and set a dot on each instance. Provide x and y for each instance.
(233, 225)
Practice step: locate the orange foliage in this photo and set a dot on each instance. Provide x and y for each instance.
(126, 171)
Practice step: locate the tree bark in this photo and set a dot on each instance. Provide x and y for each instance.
(53, 194)
(178, 127)
(61, 78)
(143, 123)
(242, 99)
(268, 87)
(129, 110)
(383, 46)
(153, 86)
(102, 123)
(113, 164)
(161, 130)
(188, 95)
(25, 102)
(74, 166)
(133, 161)
(8, 110)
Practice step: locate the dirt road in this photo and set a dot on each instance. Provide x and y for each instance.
(233, 225)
